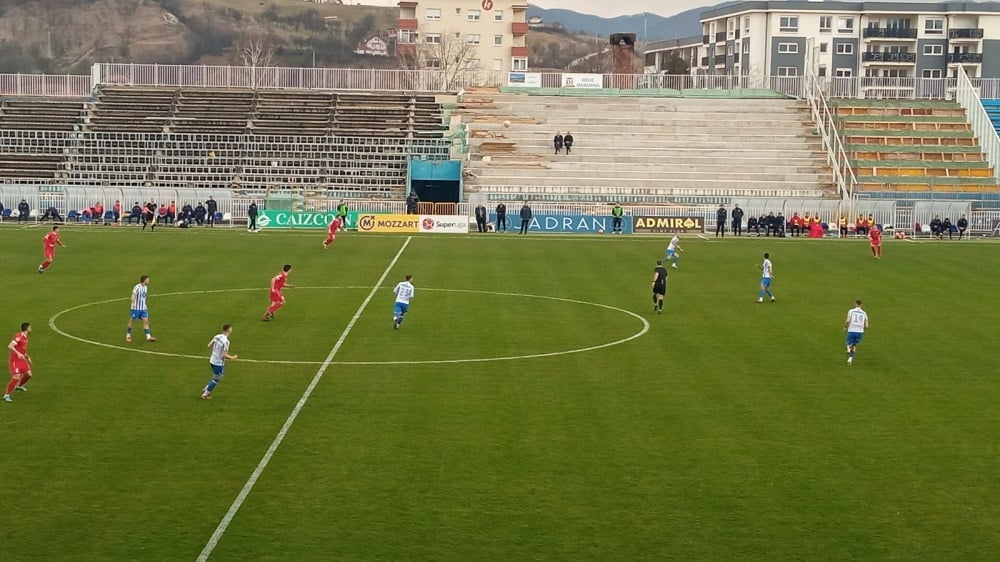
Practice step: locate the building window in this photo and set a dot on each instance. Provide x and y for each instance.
(788, 24)
(934, 26)
(788, 71)
(746, 47)
(472, 39)
(473, 64)
(746, 26)
(473, 15)
(788, 48)
(822, 71)
(406, 36)
(824, 47)
(933, 49)
(895, 73)
(433, 63)
(843, 72)
(497, 64)
(432, 38)
(931, 73)
(498, 15)
(433, 13)
(498, 39)
(845, 48)
(845, 25)
(519, 64)
(826, 23)
(458, 11)
(729, 50)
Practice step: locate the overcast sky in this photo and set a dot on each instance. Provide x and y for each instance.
(607, 9)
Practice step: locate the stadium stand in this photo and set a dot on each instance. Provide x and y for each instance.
(913, 146)
(144, 137)
(635, 149)
(993, 110)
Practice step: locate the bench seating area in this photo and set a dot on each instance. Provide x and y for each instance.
(913, 146)
(193, 137)
(993, 110)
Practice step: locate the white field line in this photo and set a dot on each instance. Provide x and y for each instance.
(238, 502)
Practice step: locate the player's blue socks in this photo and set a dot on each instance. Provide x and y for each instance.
(128, 331)
(211, 385)
(761, 294)
(146, 331)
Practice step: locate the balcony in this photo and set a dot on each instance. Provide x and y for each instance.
(406, 25)
(720, 59)
(519, 28)
(720, 37)
(965, 33)
(889, 57)
(518, 52)
(965, 58)
(890, 33)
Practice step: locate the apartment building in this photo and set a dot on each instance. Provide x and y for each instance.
(487, 35)
(850, 39)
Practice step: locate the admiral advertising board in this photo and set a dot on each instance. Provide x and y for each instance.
(671, 225)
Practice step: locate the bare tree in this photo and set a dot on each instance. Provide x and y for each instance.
(256, 53)
(454, 56)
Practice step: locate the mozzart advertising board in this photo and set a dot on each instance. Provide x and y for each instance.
(563, 224)
(388, 223)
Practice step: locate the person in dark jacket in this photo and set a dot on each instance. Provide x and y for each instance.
(252, 216)
(946, 228)
(557, 141)
(963, 225)
(212, 207)
(481, 218)
(199, 214)
(23, 210)
(720, 221)
(752, 226)
(737, 216)
(568, 141)
(412, 201)
(501, 218)
(525, 218)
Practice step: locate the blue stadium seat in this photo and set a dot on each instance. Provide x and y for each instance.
(72, 216)
(109, 217)
(993, 110)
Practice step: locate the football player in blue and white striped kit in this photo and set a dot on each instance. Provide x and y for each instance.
(220, 352)
(139, 309)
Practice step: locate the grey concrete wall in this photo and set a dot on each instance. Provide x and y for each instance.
(925, 62)
(845, 61)
(991, 58)
(798, 60)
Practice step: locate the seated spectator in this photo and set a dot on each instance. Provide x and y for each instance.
(752, 226)
(187, 213)
(963, 225)
(97, 211)
(936, 227)
(53, 214)
(117, 210)
(946, 227)
(136, 214)
(843, 226)
(859, 226)
(171, 212)
(23, 210)
(161, 215)
(199, 214)
(779, 224)
(86, 214)
(797, 224)
(761, 223)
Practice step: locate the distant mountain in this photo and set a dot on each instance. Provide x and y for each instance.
(684, 24)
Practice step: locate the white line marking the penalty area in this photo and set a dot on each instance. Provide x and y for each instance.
(235, 507)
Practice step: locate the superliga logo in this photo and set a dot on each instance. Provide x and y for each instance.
(428, 224)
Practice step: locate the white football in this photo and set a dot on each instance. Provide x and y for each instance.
(600, 231)
(506, 123)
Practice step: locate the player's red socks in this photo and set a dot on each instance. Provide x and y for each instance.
(11, 385)
(24, 379)
(46, 264)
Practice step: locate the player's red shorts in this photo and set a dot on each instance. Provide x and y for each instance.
(18, 366)
(277, 297)
(50, 253)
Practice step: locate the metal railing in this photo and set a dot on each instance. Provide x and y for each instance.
(837, 157)
(969, 98)
(47, 85)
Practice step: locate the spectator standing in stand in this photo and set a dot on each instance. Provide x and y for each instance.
(737, 216)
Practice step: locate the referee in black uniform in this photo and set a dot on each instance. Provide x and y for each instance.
(659, 286)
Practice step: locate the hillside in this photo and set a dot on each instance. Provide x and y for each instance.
(649, 27)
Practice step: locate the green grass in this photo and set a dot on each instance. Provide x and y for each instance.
(729, 431)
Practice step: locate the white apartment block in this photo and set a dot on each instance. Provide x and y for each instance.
(488, 35)
(847, 39)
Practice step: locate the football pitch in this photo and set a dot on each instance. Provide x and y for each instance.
(531, 407)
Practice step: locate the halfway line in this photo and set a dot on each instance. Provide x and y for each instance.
(224, 524)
